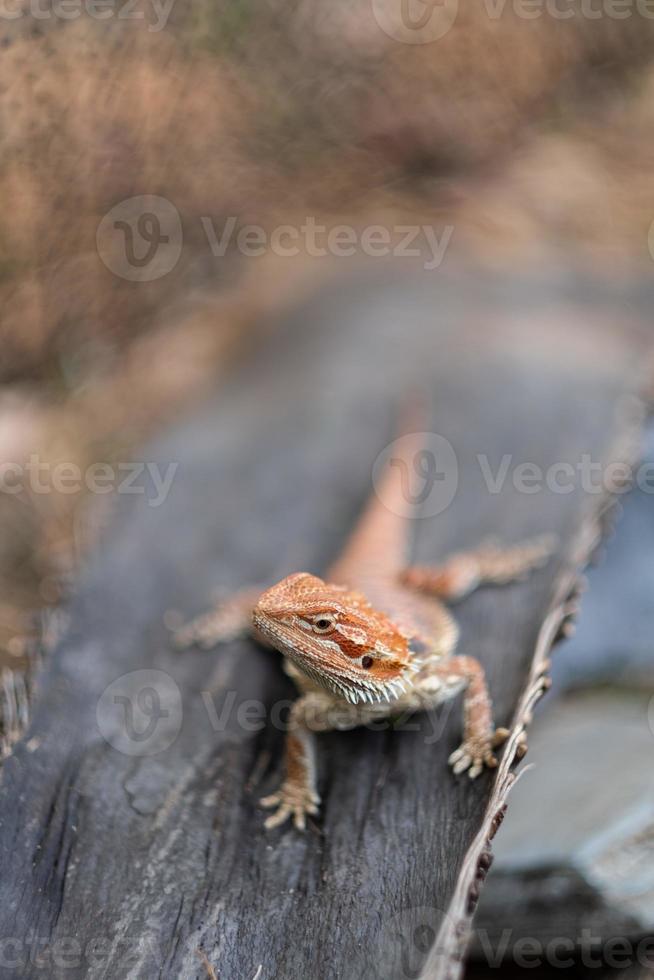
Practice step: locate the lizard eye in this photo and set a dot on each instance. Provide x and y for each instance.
(323, 624)
(367, 662)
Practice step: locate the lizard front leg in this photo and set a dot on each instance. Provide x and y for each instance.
(229, 620)
(315, 711)
(462, 573)
(479, 734)
(297, 796)
(439, 680)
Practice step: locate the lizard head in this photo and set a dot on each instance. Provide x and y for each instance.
(335, 637)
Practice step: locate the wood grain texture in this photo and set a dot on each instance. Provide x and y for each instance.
(139, 862)
(577, 835)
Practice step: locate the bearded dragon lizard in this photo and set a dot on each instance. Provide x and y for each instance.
(372, 640)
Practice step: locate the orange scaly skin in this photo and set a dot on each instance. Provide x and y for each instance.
(373, 640)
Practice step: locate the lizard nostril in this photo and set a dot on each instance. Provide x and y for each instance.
(367, 663)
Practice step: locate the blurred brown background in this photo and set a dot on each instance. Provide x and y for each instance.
(531, 136)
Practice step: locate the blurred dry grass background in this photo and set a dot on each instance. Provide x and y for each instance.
(529, 136)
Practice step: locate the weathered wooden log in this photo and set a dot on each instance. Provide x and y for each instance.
(131, 841)
(574, 857)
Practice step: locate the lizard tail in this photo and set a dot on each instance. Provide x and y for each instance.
(379, 543)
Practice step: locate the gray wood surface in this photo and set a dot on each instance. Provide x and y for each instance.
(574, 856)
(133, 865)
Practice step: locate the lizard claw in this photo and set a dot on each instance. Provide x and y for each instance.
(290, 801)
(500, 736)
(473, 756)
(522, 746)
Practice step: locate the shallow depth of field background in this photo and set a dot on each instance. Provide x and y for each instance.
(531, 137)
